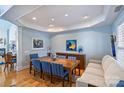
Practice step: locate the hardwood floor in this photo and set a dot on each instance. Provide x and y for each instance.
(24, 79)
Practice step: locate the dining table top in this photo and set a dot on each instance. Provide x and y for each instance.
(71, 64)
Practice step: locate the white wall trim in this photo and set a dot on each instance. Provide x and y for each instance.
(19, 68)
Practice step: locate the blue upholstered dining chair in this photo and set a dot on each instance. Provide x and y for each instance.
(61, 56)
(32, 56)
(14, 60)
(74, 58)
(9, 60)
(37, 66)
(46, 69)
(2, 52)
(58, 71)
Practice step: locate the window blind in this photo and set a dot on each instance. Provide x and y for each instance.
(120, 36)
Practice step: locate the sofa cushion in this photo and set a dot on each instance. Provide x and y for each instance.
(92, 79)
(113, 74)
(107, 62)
(95, 71)
(104, 58)
(94, 65)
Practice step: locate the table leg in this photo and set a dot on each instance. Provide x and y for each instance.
(30, 67)
(70, 78)
(79, 70)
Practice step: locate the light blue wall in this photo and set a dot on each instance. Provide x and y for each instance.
(95, 41)
(27, 35)
(119, 52)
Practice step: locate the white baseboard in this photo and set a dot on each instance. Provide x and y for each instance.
(21, 67)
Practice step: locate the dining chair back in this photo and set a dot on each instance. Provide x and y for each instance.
(72, 58)
(2, 52)
(8, 57)
(8, 60)
(37, 65)
(61, 56)
(57, 69)
(33, 56)
(46, 67)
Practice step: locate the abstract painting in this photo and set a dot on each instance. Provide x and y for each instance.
(1, 42)
(37, 43)
(71, 45)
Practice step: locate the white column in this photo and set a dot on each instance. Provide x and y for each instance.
(19, 49)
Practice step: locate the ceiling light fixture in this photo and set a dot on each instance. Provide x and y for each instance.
(34, 18)
(51, 25)
(66, 14)
(85, 17)
(52, 19)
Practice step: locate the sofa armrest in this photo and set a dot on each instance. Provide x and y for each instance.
(95, 61)
(80, 83)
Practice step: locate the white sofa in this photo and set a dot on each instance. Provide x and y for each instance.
(104, 73)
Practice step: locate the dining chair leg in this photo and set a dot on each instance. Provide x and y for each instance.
(63, 82)
(11, 66)
(34, 72)
(68, 78)
(6, 66)
(75, 71)
(41, 74)
(51, 78)
(79, 71)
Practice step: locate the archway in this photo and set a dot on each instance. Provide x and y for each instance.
(9, 38)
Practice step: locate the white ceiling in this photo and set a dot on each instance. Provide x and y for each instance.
(98, 15)
(4, 8)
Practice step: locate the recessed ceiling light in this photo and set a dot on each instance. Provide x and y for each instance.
(34, 18)
(66, 14)
(51, 25)
(85, 17)
(52, 19)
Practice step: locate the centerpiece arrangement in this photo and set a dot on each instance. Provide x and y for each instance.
(53, 56)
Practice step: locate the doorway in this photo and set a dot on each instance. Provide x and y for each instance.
(8, 44)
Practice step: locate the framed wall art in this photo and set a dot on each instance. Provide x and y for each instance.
(37, 43)
(71, 45)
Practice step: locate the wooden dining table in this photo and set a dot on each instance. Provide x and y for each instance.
(70, 65)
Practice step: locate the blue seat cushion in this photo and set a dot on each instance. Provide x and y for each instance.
(1, 63)
(120, 83)
(14, 60)
(65, 73)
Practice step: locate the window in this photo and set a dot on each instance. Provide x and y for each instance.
(120, 36)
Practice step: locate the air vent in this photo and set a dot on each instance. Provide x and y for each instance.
(0, 11)
(118, 8)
